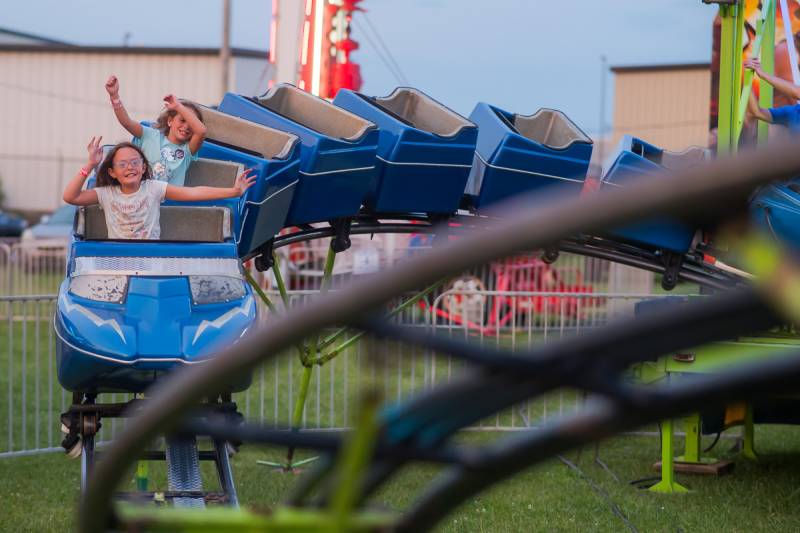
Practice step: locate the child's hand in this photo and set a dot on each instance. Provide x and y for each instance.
(95, 151)
(755, 65)
(112, 86)
(171, 103)
(244, 181)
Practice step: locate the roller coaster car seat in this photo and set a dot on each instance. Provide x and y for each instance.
(635, 160)
(425, 151)
(337, 155)
(522, 154)
(178, 224)
(273, 156)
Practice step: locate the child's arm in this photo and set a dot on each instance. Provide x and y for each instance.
(198, 128)
(784, 87)
(72, 192)
(758, 111)
(133, 127)
(196, 194)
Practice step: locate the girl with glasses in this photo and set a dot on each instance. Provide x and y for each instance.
(128, 194)
(173, 143)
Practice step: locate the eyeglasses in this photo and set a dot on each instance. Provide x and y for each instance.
(133, 163)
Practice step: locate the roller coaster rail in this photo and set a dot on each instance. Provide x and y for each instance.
(692, 268)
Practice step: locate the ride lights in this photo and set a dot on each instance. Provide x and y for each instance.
(215, 289)
(100, 288)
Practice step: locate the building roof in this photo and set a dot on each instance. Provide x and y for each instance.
(30, 36)
(628, 69)
(130, 50)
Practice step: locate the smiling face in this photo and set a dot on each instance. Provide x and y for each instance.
(179, 129)
(127, 168)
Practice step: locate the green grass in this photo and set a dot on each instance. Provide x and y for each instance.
(39, 492)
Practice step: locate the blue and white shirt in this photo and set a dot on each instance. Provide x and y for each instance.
(169, 161)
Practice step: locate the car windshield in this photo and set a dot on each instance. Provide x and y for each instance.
(63, 215)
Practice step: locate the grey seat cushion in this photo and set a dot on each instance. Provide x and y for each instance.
(178, 223)
(267, 142)
(315, 113)
(549, 127)
(212, 173)
(423, 112)
(690, 157)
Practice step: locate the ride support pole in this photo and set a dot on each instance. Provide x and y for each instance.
(765, 93)
(730, 65)
(308, 367)
(355, 338)
(667, 485)
(755, 51)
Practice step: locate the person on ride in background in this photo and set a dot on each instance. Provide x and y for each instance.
(787, 115)
(128, 194)
(173, 144)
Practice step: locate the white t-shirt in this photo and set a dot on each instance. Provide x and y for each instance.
(135, 215)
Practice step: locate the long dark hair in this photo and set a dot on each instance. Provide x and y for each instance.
(163, 119)
(104, 179)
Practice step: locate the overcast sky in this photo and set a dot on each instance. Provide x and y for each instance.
(518, 54)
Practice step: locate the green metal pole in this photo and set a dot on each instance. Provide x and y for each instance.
(737, 72)
(749, 446)
(261, 294)
(279, 280)
(768, 63)
(730, 65)
(667, 485)
(755, 51)
(349, 342)
(354, 459)
(308, 368)
(264, 298)
(692, 441)
(726, 65)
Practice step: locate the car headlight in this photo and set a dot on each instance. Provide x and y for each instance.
(26, 235)
(99, 288)
(215, 289)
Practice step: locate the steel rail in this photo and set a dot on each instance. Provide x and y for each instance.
(728, 182)
(609, 250)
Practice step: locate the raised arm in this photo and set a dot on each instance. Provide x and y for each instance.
(784, 87)
(198, 194)
(73, 193)
(133, 127)
(198, 128)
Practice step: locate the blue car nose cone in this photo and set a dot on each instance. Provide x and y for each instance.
(159, 306)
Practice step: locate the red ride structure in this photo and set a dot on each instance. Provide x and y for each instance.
(325, 47)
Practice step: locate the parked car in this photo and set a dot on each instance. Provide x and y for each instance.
(11, 225)
(48, 239)
(57, 225)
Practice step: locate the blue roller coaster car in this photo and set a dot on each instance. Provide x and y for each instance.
(273, 155)
(131, 310)
(776, 208)
(520, 154)
(636, 159)
(424, 154)
(337, 155)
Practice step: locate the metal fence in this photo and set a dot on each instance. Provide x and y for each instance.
(31, 398)
(35, 267)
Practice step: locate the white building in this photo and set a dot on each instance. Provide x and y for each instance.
(52, 100)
